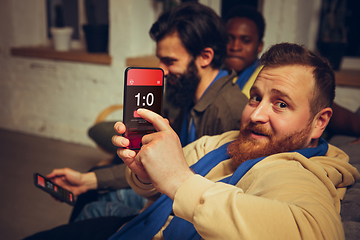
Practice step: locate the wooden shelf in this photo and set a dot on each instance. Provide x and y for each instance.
(72, 55)
(348, 78)
(144, 61)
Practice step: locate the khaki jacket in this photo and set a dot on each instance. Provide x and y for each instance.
(284, 196)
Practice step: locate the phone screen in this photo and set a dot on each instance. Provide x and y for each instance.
(55, 190)
(143, 89)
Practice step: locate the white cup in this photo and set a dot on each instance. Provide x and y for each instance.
(61, 38)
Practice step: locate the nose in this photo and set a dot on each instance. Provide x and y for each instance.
(261, 113)
(164, 68)
(235, 45)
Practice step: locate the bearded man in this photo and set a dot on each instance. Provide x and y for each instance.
(275, 179)
(191, 45)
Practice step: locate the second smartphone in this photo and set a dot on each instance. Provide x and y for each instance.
(143, 88)
(55, 190)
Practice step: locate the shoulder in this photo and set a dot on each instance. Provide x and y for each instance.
(197, 149)
(230, 91)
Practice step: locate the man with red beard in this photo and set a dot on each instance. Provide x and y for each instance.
(275, 179)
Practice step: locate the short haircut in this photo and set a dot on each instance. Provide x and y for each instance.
(198, 27)
(246, 11)
(285, 54)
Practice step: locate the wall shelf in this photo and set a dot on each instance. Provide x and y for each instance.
(72, 55)
(348, 78)
(143, 61)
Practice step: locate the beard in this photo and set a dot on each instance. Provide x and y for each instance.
(180, 90)
(246, 148)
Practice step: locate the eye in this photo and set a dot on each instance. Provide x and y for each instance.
(281, 105)
(246, 40)
(255, 99)
(167, 61)
(231, 38)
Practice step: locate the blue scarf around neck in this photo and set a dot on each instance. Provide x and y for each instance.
(151, 220)
(246, 74)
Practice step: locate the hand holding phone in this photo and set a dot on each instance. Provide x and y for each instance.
(143, 88)
(53, 189)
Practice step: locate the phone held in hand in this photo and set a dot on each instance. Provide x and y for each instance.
(143, 88)
(54, 189)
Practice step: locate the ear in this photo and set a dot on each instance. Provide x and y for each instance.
(260, 47)
(205, 58)
(320, 122)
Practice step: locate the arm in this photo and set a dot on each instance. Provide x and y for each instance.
(73, 181)
(275, 200)
(279, 200)
(160, 161)
(111, 177)
(105, 178)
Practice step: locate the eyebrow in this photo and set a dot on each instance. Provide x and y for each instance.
(280, 93)
(273, 91)
(166, 58)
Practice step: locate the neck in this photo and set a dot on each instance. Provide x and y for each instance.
(207, 75)
(314, 143)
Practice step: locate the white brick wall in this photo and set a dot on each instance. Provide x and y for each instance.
(59, 99)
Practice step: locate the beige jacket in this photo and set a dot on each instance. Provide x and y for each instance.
(284, 196)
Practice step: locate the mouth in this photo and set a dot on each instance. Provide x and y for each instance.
(258, 135)
(234, 57)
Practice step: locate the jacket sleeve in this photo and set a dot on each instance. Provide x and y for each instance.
(276, 199)
(193, 152)
(111, 177)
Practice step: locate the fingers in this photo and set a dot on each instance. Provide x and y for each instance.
(56, 173)
(133, 162)
(160, 123)
(119, 127)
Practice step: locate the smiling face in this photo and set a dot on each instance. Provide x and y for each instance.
(277, 117)
(244, 46)
(180, 69)
(173, 56)
(279, 101)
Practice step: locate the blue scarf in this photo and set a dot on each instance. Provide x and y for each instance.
(150, 221)
(246, 74)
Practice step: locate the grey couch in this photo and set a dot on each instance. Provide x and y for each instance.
(350, 207)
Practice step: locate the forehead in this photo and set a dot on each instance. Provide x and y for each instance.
(242, 26)
(296, 81)
(171, 47)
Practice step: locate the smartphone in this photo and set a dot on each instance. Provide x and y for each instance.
(55, 190)
(143, 88)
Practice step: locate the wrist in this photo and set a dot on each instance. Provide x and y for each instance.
(143, 181)
(89, 181)
(171, 191)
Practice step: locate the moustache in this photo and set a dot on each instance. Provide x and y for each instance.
(257, 129)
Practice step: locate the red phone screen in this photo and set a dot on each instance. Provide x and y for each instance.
(143, 89)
